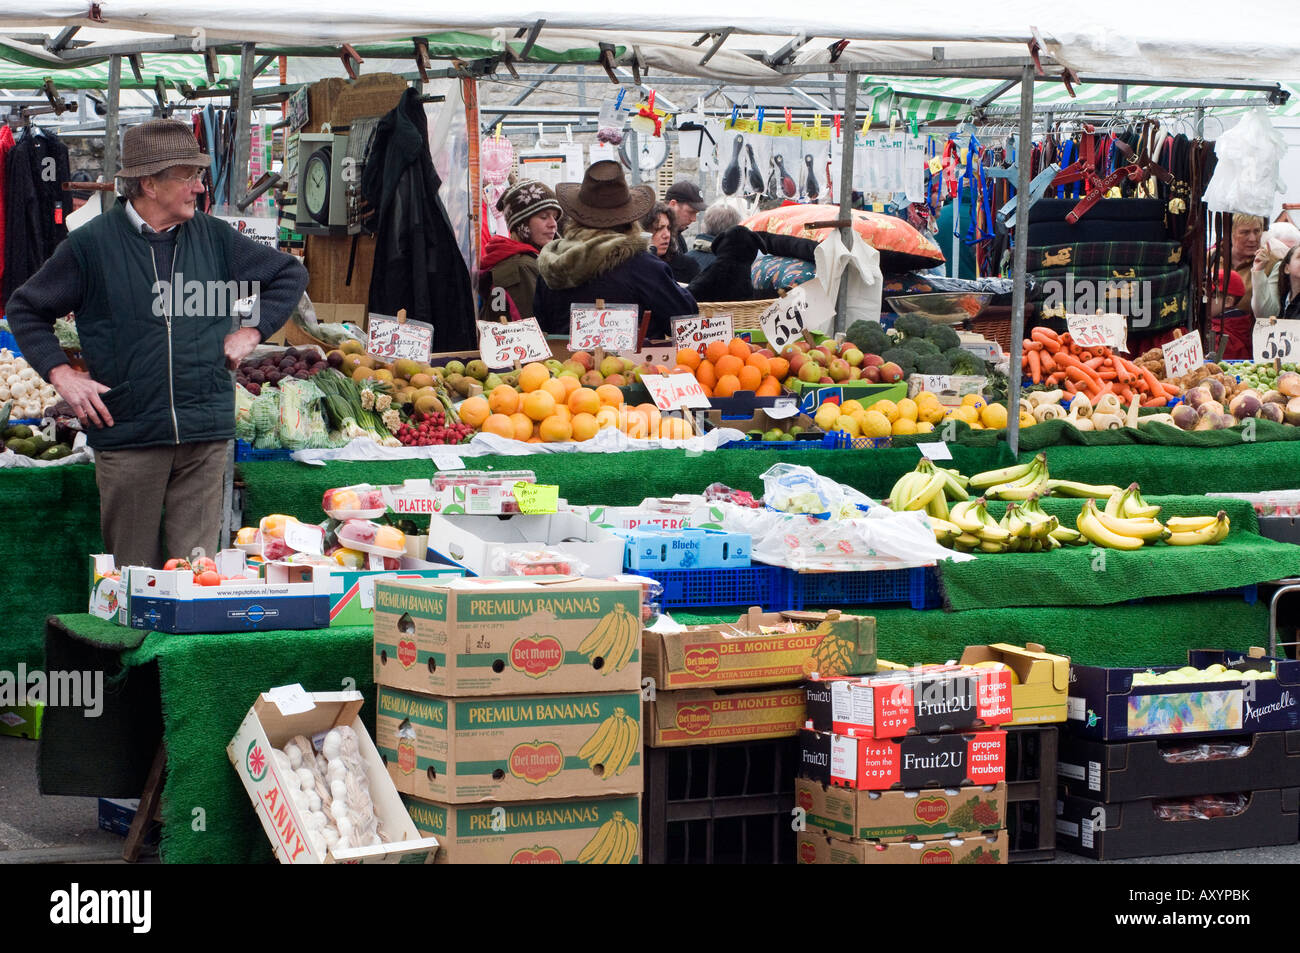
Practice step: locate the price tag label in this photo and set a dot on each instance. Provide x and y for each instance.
(501, 345)
(1100, 330)
(537, 499)
(393, 340)
(612, 327)
(675, 391)
(291, 699)
(698, 332)
(1276, 340)
(936, 383)
(783, 321)
(936, 165)
(935, 451)
(1184, 355)
(444, 459)
(305, 538)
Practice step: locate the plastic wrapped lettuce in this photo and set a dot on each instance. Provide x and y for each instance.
(244, 427)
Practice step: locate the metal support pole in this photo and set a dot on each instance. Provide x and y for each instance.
(634, 153)
(1200, 122)
(848, 136)
(244, 131)
(1020, 259)
(111, 137)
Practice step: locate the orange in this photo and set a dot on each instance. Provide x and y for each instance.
(688, 358)
(555, 429)
(780, 367)
(606, 417)
(584, 426)
(730, 364)
(474, 411)
(708, 391)
(769, 387)
(682, 369)
(538, 405)
(523, 425)
(763, 364)
(706, 374)
(651, 414)
(673, 428)
(739, 348)
(750, 377)
(563, 412)
(728, 384)
(533, 440)
(570, 384)
(501, 425)
(533, 376)
(503, 400)
(715, 350)
(556, 389)
(637, 426)
(610, 395)
(584, 400)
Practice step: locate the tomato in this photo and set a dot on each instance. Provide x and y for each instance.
(208, 578)
(205, 564)
(177, 564)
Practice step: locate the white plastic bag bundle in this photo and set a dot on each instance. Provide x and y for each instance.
(1248, 178)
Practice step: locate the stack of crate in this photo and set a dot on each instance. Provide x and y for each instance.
(509, 716)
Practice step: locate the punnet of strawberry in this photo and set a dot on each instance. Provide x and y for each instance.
(432, 430)
(721, 493)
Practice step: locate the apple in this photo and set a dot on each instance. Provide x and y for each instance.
(767, 353)
(826, 380)
(797, 360)
(819, 356)
(611, 365)
(553, 365)
(790, 351)
(592, 379)
(828, 352)
(839, 369)
(873, 359)
(890, 373)
(803, 345)
(853, 356)
(629, 365)
(810, 372)
(855, 373)
(577, 366)
(871, 373)
(618, 380)
(587, 360)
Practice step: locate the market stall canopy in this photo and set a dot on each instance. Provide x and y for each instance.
(1163, 43)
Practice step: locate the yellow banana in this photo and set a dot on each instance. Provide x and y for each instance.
(1225, 526)
(597, 740)
(634, 840)
(1135, 507)
(632, 741)
(994, 477)
(1115, 505)
(630, 636)
(953, 488)
(597, 843)
(963, 517)
(932, 488)
(1101, 535)
(1066, 535)
(965, 542)
(989, 531)
(989, 547)
(597, 635)
(1084, 490)
(1200, 537)
(1190, 524)
(1147, 530)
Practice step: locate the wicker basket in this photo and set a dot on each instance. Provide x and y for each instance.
(994, 324)
(745, 315)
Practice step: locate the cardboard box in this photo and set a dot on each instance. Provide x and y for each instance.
(517, 748)
(21, 721)
(506, 636)
(1131, 770)
(352, 592)
(914, 702)
(1104, 704)
(918, 761)
(736, 655)
(661, 513)
(473, 493)
(532, 832)
(1133, 829)
(1039, 695)
(958, 386)
(107, 594)
(266, 727)
(704, 716)
(656, 549)
(291, 597)
(979, 849)
(761, 420)
(901, 815)
(474, 542)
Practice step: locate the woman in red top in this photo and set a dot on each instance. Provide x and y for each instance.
(508, 265)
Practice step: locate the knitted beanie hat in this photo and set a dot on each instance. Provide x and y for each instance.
(524, 199)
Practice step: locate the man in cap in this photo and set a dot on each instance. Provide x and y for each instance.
(684, 198)
(153, 283)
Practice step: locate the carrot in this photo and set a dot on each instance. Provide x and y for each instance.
(1086, 356)
(1155, 401)
(1069, 387)
(1108, 375)
(1124, 393)
(1033, 345)
(1095, 363)
(1045, 335)
(1070, 362)
(1035, 368)
(1047, 361)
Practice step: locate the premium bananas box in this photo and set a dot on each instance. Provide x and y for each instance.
(976, 849)
(475, 637)
(916, 761)
(515, 748)
(707, 716)
(1040, 684)
(913, 702)
(759, 649)
(900, 815)
(595, 831)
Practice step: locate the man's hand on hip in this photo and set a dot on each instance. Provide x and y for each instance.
(82, 394)
(240, 344)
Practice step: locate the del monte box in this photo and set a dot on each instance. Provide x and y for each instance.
(482, 636)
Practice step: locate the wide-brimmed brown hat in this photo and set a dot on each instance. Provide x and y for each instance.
(603, 199)
(159, 144)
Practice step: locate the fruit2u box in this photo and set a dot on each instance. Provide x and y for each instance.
(894, 704)
(901, 815)
(975, 849)
(752, 650)
(917, 761)
(1041, 683)
(515, 748)
(476, 637)
(705, 716)
(593, 831)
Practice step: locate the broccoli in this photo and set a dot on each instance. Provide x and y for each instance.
(903, 358)
(943, 336)
(868, 336)
(933, 364)
(912, 325)
(919, 346)
(964, 362)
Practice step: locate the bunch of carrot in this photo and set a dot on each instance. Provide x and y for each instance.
(1054, 359)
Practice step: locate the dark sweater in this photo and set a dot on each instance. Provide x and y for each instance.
(55, 291)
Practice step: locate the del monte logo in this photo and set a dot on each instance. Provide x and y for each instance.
(537, 656)
(694, 719)
(406, 652)
(537, 761)
(255, 761)
(537, 855)
(702, 662)
(937, 856)
(931, 810)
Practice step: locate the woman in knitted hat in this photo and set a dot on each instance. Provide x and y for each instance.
(508, 265)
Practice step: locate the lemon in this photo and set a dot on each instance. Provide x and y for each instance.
(925, 426)
(925, 396)
(847, 424)
(875, 424)
(1027, 420)
(993, 416)
(887, 408)
(904, 425)
(967, 413)
(932, 411)
(850, 407)
(907, 408)
(826, 416)
(973, 400)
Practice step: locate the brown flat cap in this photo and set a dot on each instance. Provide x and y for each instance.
(159, 144)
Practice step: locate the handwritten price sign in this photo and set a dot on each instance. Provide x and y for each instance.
(675, 391)
(393, 340)
(1184, 355)
(806, 307)
(1276, 340)
(698, 332)
(1101, 330)
(501, 345)
(613, 327)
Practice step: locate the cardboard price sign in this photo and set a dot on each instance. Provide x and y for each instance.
(936, 383)
(1184, 355)
(783, 321)
(1276, 340)
(612, 327)
(1101, 330)
(698, 332)
(675, 391)
(502, 345)
(395, 340)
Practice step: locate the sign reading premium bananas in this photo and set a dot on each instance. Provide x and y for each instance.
(502, 636)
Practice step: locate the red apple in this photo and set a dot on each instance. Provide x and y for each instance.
(853, 356)
(797, 360)
(839, 369)
(826, 380)
(873, 359)
(618, 380)
(767, 353)
(810, 372)
(789, 351)
(855, 373)
(585, 359)
(890, 373)
(871, 373)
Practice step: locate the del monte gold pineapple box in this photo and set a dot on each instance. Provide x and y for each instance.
(476, 637)
(901, 815)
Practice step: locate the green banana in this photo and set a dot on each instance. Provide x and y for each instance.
(1081, 490)
(994, 477)
(963, 516)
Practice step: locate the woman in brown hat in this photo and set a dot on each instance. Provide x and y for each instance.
(604, 255)
(508, 264)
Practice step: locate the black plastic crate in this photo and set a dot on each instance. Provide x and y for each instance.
(720, 804)
(1031, 793)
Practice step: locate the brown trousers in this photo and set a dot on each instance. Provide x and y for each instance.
(147, 491)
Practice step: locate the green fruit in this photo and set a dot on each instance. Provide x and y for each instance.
(796, 429)
(455, 367)
(56, 452)
(20, 431)
(24, 448)
(772, 434)
(40, 444)
(787, 436)
(477, 370)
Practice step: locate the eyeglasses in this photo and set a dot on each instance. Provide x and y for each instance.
(188, 180)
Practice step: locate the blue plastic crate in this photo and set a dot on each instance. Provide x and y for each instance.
(839, 440)
(7, 340)
(756, 585)
(245, 451)
(917, 587)
(772, 445)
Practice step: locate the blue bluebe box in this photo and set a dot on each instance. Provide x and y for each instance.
(685, 549)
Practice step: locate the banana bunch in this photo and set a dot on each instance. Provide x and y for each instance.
(616, 842)
(1197, 530)
(1128, 504)
(1118, 532)
(613, 745)
(1023, 480)
(928, 488)
(614, 639)
(977, 528)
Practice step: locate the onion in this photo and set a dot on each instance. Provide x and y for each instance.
(1291, 412)
(1289, 384)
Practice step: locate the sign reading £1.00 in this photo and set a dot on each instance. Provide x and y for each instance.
(697, 332)
(612, 327)
(1276, 340)
(502, 345)
(1183, 355)
(399, 340)
(675, 391)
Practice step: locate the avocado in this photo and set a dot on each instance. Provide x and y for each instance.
(19, 431)
(56, 452)
(40, 444)
(20, 446)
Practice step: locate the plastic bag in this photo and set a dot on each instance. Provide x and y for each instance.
(301, 420)
(788, 488)
(1205, 807)
(1248, 175)
(244, 427)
